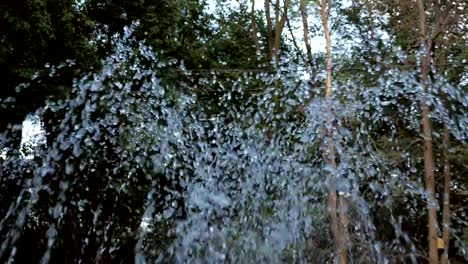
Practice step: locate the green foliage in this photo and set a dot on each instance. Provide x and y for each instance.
(102, 179)
(34, 34)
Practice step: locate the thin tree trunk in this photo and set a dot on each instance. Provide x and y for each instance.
(325, 15)
(427, 133)
(279, 26)
(430, 185)
(446, 206)
(305, 25)
(447, 178)
(339, 221)
(254, 28)
(268, 30)
(276, 6)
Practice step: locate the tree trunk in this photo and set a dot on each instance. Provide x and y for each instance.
(325, 15)
(446, 206)
(276, 6)
(339, 221)
(446, 214)
(268, 30)
(254, 28)
(427, 133)
(306, 31)
(279, 26)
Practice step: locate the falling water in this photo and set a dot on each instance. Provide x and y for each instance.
(150, 172)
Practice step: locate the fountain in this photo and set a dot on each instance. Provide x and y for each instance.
(141, 171)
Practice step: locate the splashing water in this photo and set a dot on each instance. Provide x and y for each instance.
(145, 172)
